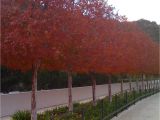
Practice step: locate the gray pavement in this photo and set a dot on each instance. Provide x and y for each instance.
(147, 109)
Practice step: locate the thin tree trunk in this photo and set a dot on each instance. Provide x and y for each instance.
(70, 103)
(34, 90)
(130, 84)
(93, 89)
(154, 83)
(147, 83)
(122, 86)
(109, 89)
(137, 84)
(142, 82)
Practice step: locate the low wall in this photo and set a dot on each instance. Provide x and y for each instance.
(10, 103)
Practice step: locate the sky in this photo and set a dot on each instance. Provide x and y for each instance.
(138, 9)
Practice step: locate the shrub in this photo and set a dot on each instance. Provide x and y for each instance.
(21, 115)
(90, 112)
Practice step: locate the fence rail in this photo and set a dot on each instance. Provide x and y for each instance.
(147, 93)
(130, 97)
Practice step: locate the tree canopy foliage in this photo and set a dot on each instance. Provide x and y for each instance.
(82, 36)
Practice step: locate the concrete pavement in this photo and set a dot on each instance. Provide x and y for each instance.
(147, 109)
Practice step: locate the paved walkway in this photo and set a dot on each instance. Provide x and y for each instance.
(147, 109)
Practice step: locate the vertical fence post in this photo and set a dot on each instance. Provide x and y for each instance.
(109, 88)
(137, 84)
(82, 112)
(145, 89)
(134, 95)
(126, 97)
(116, 103)
(145, 93)
(147, 84)
(121, 86)
(142, 82)
(102, 109)
(52, 116)
(152, 86)
(156, 85)
(130, 84)
(140, 90)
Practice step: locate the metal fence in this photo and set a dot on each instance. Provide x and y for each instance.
(127, 98)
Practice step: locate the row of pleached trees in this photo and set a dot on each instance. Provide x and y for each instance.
(75, 36)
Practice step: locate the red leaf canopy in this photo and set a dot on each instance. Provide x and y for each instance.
(84, 36)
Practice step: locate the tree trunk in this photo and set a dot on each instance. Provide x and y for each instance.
(154, 83)
(142, 82)
(137, 84)
(122, 86)
(130, 84)
(70, 103)
(147, 83)
(34, 90)
(109, 89)
(93, 89)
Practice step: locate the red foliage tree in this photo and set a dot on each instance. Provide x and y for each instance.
(32, 37)
(84, 36)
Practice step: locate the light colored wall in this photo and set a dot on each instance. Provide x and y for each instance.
(10, 103)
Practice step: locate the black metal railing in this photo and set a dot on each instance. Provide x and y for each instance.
(105, 109)
(137, 95)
